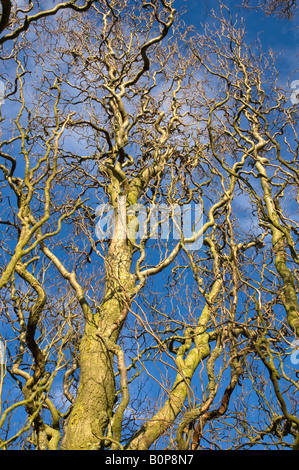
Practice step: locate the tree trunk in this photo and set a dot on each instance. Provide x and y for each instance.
(94, 404)
(93, 407)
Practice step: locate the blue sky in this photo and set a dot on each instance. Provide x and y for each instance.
(277, 34)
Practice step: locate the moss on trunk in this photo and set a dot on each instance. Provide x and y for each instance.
(95, 400)
(93, 408)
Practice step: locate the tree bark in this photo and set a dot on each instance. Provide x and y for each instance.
(93, 409)
(6, 9)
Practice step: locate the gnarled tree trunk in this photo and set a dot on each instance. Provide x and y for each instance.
(93, 409)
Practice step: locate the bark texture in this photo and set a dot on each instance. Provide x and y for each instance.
(93, 409)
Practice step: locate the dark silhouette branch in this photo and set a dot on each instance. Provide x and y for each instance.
(6, 9)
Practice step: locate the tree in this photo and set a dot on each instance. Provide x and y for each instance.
(282, 8)
(142, 336)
